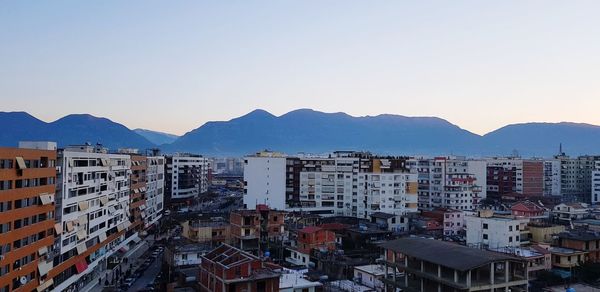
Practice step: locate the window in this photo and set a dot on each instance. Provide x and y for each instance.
(485, 226)
(485, 236)
(510, 228)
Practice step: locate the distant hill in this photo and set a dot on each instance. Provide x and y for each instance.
(158, 138)
(69, 130)
(543, 139)
(316, 132)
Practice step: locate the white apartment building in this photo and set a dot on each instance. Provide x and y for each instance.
(450, 182)
(486, 230)
(92, 212)
(265, 180)
(346, 183)
(186, 176)
(155, 184)
(552, 177)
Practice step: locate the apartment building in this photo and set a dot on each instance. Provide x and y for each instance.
(186, 177)
(92, 212)
(155, 190)
(487, 230)
(552, 177)
(345, 183)
(250, 228)
(27, 194)
(576, 176)
(450, 182)
(509, 175)
(432, 265)
(595, 199)
(137, 194)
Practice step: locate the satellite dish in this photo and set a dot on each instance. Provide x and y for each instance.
(23, 280)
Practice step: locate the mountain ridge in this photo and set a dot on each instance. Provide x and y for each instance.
(307, 130)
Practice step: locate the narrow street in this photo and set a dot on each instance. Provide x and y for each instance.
(148, 276)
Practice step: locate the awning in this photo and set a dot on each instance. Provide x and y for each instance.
(81, 248)
(123, 249)
(81, 266)
(104, 200)
(81, 234)
(58, 228)
(120, 227)
(102, 237)
(43, 250)
(21, 163)
(142, 189)
(83, 206)
(135, 191)
(47, 199)
(69, 226)
(142, 207)
(82, 220)
(45, 285)
(126, 224)
(111, 210)
(137, 239)
(44, 267)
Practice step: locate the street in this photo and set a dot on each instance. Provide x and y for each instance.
(148, 276)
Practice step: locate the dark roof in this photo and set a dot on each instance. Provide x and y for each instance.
(580, 235)
(382, 215)
(443, 253)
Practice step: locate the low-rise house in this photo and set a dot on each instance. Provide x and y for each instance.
(453, 221)
(391, 222)
(544, 232)
(295, 281)
(537, 260)
(487, 230)
(567, 257)
(587, 241)
(433, 265)
(250, 227)
(372, 275)
(184, 254)
(201, 231)
(310, 238)
(227, 268)
(528, 209)
(589, 224)
(567, 212)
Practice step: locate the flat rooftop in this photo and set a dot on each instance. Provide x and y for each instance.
(451, 255)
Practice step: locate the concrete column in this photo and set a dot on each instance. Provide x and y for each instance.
(506, 271)
(422, 266)
(455, 276)
(439, 271)
(422, 286)
(492, 274)
(405, 272)
(469, 278)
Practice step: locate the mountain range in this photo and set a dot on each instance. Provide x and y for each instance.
(311, 131)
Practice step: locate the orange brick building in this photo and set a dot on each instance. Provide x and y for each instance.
(27, 189)
(228, 269)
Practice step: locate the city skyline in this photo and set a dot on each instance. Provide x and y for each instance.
(477, 65)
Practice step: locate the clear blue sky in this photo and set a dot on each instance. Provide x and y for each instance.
(173, 65)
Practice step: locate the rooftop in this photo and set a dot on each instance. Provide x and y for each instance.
(580, 235)
(295, 280)
(443, 253)
(377, 270)
(382, 215)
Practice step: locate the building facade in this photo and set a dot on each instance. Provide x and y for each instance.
(27, 196)
(92, 212)
(344, 183)
(155, 190)
(450, 182)
(496, 232)
(186, 177)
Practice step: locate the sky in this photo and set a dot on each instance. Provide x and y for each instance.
(173, 65)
